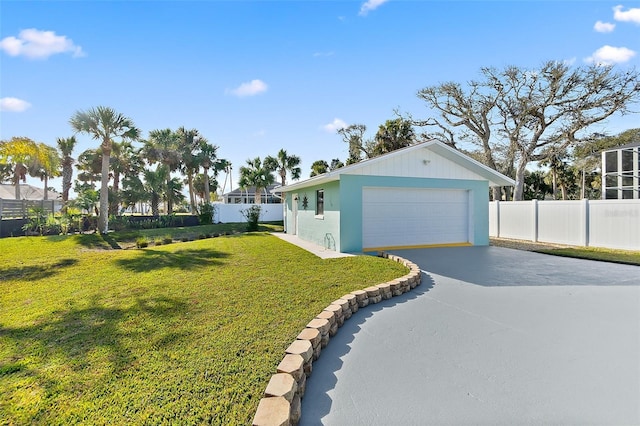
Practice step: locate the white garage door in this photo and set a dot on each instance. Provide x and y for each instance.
(405, 217)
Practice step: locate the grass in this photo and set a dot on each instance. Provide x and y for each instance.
(593, 253)
(183, 333)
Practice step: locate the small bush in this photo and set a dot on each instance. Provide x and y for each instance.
(201, 236)
(157, 242)
(252, 215)
(142, 242)
(167, 239)
(207, 210)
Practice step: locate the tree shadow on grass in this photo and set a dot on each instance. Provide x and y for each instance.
(34, 272)
(94, 241)
(74, 336)
(149, 260)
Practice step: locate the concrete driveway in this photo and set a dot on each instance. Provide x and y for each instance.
(493, 336)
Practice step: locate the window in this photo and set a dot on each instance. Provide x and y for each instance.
(611, 160)
(319, 202)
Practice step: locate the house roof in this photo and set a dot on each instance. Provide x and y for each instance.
(495, 178)
(238, 192)
(27, 192)
(629, 145)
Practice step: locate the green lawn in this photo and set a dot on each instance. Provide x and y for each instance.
(593, 253)
(185, 333)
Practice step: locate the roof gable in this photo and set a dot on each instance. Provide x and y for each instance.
(431, 159)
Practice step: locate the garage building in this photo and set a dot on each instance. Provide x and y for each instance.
(424, 195)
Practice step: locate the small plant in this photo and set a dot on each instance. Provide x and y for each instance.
(207, 211)
(201, 236)
(157, 242)
(252, 216)
(142, 242)
(37, 224)
(167, 239)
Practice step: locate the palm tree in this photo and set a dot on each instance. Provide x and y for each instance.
(162, 147)
(319, 167)
(104, 124)
(284, 163)
(124, 161)
(45, 165)
(189, 145)
(393, 135)
(256, 174)
(89, 164)
(66, 146)
(207, 158)
(154, 182)
(133, 191)
(20, 152)
(173, 191)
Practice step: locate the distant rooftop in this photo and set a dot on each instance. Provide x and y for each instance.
(27, 192)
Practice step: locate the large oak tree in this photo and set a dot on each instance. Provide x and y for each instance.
(515, 115)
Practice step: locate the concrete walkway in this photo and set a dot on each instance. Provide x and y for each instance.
(319, 251)
(493, 336)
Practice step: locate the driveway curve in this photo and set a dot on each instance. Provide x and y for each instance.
(493, 336)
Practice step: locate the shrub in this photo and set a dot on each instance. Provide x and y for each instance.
(157, 242)
(252, 216)
(207, 211)
(167, 239)
(142, 242)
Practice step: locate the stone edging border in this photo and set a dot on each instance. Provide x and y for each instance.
(281, 404)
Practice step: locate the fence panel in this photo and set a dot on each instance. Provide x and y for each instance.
(228, 213)
(12, 209)
(615, 224)
(562, 222)
(597, 223)
(517, 220)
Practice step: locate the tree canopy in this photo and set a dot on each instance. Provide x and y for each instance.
(515, 115)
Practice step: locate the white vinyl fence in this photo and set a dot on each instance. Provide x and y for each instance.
(596, 223)
(228, 213)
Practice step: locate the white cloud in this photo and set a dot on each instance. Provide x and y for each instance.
(370, 5)
(251, 88)
(608, 55)
(335, 125)
(604, 27)
(13, 105)
(631, 15)
(569, 62)
(36, 44)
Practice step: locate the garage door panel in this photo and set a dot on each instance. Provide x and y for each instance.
(396, 217)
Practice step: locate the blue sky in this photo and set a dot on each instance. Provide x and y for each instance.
(257, 76)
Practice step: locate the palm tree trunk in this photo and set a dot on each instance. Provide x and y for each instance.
(17, 174)
(207, 194)
(192, 196)
(46, 185)
(256, 197)
(103, 214)
(169, 197)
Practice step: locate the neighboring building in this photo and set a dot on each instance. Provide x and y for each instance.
(424, 195)
(248, 195)
(30, 197)
(621, 172)
(27, 192)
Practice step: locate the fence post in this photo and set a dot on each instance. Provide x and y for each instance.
(534, 205)
(585, 217)
(1, 207)
(24, 209)
(497, 218)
